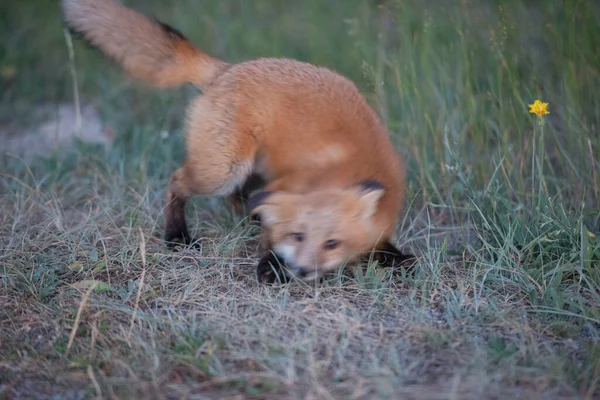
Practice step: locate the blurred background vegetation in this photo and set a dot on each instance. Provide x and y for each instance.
(452, 80)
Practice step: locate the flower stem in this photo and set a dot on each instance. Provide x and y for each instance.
(540, 161)
(533, 157)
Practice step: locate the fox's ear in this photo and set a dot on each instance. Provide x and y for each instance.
(369, 192)
(264, 205)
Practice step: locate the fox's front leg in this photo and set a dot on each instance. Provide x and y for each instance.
(270, 268)
(388, 255)
(239, 198)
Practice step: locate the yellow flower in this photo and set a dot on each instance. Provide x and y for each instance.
(538, 108)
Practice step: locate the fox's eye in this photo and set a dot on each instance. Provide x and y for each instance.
(331, 244)
(298, 236)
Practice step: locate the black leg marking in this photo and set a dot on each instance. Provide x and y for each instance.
(389, 256)
(175, 242)
(270, 269)
(176, 232)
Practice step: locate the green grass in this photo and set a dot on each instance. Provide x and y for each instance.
(505, 302)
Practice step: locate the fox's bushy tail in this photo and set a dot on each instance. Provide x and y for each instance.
(146, 48)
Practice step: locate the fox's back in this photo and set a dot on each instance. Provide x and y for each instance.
(304, 114)
(280, 90)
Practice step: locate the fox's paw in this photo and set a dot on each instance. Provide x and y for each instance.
(269, 269)
(390, 256)
(175, 243)
(404, 266)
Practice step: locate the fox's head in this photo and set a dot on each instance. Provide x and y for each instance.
(317, 232)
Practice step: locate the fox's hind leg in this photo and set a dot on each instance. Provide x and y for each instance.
(188, 181)
(219, 161)
(179, 191)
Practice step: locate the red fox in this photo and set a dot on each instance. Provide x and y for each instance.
(330, 183)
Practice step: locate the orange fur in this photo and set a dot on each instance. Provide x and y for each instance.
(306, 130)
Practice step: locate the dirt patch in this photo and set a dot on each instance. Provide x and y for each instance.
(60, 126)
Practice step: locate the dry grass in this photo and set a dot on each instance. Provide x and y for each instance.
(197, 324)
